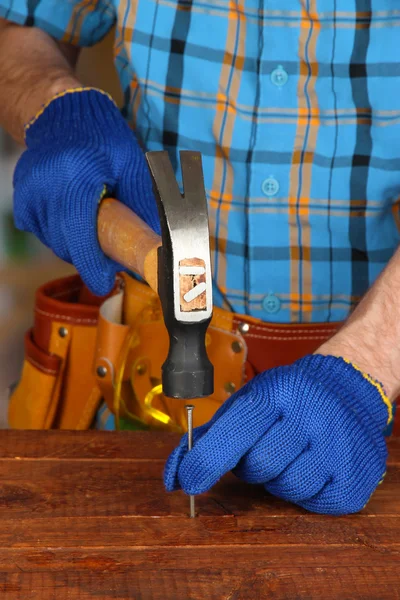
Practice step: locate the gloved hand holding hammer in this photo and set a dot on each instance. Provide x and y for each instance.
(79, 148)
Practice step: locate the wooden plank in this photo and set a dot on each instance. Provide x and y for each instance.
(135, 530)
(70, 445)
(293, 583)
(100, 445)
(251, 557)
(40, 488)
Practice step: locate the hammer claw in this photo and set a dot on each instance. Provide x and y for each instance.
(164, 182)
(192, 175)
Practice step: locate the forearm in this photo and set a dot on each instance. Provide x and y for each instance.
(33, 69)
(371, 336)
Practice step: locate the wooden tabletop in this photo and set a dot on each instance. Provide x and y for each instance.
(85, 516)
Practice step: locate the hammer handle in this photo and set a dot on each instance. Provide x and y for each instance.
(125, 238)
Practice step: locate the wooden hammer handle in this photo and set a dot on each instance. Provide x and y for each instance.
(125, 238)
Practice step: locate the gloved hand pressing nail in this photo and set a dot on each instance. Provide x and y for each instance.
(311, 433)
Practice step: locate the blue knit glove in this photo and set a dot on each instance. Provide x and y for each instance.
(312, 433)
(78, 146)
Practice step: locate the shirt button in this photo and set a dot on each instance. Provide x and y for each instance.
(271, 304)
(270, 186)
(279, 76)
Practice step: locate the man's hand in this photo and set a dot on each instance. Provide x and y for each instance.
(312, 433)
(33, 68)
(371, 335)
(78, 148)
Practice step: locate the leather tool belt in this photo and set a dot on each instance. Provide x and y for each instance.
(82, 350)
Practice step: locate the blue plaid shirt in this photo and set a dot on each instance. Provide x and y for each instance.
(297, 115)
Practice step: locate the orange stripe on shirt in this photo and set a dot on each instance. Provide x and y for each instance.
(230, 79)
(302, 160)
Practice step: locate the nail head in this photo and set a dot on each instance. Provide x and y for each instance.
(141, 369)
(101, 371)
(237, 347)
(244, 327)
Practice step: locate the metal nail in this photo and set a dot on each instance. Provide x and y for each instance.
(189, 410)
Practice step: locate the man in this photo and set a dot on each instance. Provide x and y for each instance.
(296, 112)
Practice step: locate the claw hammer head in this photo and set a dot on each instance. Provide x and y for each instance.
(184, 274)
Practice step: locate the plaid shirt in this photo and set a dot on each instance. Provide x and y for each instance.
(297, 115)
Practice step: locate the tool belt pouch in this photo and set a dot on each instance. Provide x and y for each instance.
(83, 349)
(58, 388)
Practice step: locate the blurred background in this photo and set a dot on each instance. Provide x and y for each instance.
(24, 262)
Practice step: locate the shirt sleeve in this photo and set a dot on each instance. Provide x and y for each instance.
(77, 22)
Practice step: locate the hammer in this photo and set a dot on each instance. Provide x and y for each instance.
(177, 266)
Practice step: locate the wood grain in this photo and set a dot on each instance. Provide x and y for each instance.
(84, 516)
(125, 238)
(344, 583)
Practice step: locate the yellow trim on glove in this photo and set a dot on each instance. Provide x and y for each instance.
(103, 193)
(376, 385)
(60, 95)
